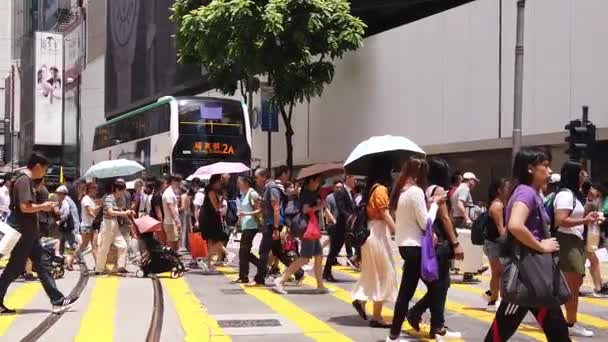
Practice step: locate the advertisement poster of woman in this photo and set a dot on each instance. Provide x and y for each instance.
(49, 89)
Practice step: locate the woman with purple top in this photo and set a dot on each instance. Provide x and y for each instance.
(528, 223)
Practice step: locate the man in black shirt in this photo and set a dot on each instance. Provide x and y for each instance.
(25, 213)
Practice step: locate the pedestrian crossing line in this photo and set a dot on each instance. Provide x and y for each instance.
(197, 324)
(582, 317)
(310, 325)
(593, 301)
(97, 323)
(345, 296)
(462, 309)
(18, 299)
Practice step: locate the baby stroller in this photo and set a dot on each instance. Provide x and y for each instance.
(156, 259)
(56, 263)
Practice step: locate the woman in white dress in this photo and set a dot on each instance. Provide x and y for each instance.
(378, 281)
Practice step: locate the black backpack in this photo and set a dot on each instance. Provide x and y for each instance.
(231, 213)
(479, 228)
(359, 231)
(96, 225)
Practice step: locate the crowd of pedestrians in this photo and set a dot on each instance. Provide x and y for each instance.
(535, 212)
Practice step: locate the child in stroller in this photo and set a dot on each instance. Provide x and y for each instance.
(52, 256)
(159, 259)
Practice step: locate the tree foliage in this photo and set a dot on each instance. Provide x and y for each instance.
(293, 42)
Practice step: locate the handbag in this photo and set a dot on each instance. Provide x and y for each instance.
(8, 238)
(198, 245)
(532, 279)
(313, 232)
(428, 261)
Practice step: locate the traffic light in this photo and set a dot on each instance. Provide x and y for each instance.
(581, 138)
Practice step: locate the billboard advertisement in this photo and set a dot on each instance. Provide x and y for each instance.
(49, 83)
(141, 59)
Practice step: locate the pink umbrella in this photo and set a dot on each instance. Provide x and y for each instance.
(221, 168)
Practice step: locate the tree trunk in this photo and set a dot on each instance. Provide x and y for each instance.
(288, 134)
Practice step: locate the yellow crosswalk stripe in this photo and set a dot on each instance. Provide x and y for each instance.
(345, 296)
(18, 299)
(97, 323)
(310, 325)
(197, 324)
(582, 317)
(593, 301)
(463, 309)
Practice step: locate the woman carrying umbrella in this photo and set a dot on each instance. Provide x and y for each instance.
(378, 281)
(210, 219)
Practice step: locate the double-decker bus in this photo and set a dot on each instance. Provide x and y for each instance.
(177, 134)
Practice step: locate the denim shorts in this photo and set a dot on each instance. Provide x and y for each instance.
(311, 248)
(491, 249)
(86, 229)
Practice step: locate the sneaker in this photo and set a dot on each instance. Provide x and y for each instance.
(580, 331)
(64, 304)
(279, 287)
(492, 307)
(487, 296)
(6, 311)
(444, 334)
(602, 293)
(28, 277)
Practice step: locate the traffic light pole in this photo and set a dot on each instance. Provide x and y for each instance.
(519, 78)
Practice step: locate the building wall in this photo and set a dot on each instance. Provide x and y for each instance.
(437, 82)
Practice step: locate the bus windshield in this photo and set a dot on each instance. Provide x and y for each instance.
(211, 118)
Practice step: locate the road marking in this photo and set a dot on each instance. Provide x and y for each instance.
(310, 325)
(593, 301)
(345, 296)
(463, 309)
(582, 318)
(18, 299)
(197, 324)
(97, 323)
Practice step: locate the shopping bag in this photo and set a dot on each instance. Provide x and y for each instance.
(147, 224)
(313, 231)
(198, 245)
(8, 238)
(428, 261)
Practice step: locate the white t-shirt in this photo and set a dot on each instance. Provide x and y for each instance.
(87, 202)
(564, 200)
(5, 199)
(199, 198)
(169, 205)
(410, 217)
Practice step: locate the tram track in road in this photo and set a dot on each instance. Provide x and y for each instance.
(52, 318)
(158, 309)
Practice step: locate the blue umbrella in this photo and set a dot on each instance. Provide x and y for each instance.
(113, 169)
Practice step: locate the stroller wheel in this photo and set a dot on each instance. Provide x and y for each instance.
(140, 274)
(175, 274)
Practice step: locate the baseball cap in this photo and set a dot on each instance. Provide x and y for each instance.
(470, 176)
(62, 189)
(555, 178)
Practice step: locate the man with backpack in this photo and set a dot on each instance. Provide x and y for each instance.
(273, 202)
(25, 215)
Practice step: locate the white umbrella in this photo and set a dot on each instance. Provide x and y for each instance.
(201, 177)
(221, 168)
(113, 168)
(394, 148)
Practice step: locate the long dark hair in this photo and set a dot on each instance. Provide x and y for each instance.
(521, 165)
(439, 173)
(379, 174)
(571, 171)
(495, 186)
(415, 167)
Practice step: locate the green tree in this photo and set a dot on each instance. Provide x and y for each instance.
(292, 42)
